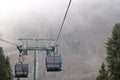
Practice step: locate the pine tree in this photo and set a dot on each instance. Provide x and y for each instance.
(8, 69)
(113, 57)
(103, 73)
(2, 65)
(5, 69)
(113, 53)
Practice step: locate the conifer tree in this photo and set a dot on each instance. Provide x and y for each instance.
(8, 69)
(113, 57)
(5, 69)
(113, 53)
(103, 73)
(2, 65)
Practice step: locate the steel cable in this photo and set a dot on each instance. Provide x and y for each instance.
(63, 21)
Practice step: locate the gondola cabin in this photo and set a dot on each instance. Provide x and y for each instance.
(53, 63)
(21, 70)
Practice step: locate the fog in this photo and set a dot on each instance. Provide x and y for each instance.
(35, 18)
(23, 15)
(39, 18)
(86, 30)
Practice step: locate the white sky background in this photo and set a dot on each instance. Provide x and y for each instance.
(24, 18)
(33, 18)
(33, 13)
(13, 11)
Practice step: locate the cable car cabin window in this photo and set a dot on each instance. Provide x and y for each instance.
(21, 70)
(53, 63)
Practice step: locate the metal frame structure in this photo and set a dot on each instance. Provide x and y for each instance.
(36, 50)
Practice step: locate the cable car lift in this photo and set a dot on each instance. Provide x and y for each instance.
(53, 60)
(21, 69)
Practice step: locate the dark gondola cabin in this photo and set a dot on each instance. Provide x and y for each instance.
(53, 63)
(21, 70)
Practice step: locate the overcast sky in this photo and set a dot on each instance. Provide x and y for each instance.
(19, 15)
(33, 18)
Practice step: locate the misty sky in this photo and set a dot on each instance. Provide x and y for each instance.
(87, 27)
(31, 15)
(34, 18)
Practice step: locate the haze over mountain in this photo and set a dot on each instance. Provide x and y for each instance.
(82, 42)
